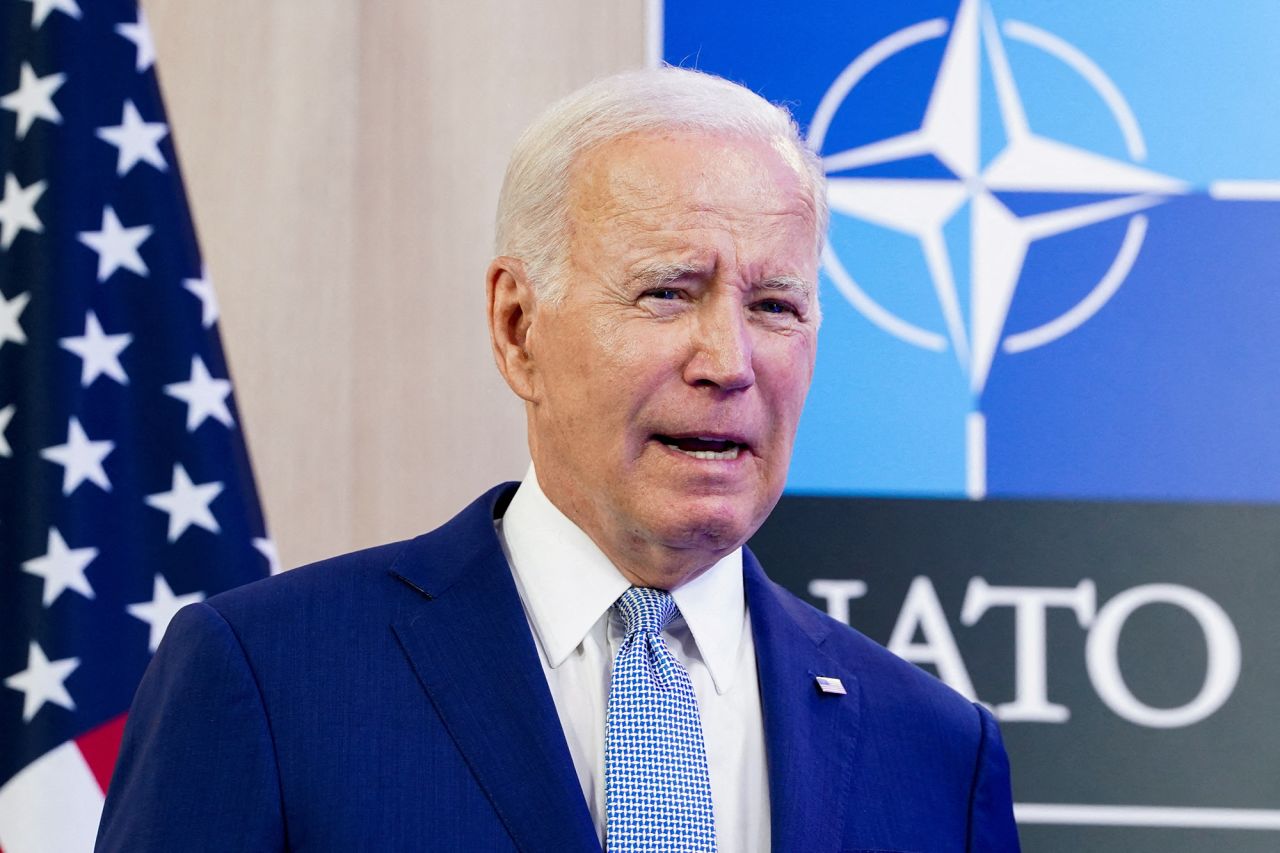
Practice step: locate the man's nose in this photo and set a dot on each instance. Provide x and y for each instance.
(722, 349)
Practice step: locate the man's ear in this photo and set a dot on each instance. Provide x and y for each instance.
(511, 306)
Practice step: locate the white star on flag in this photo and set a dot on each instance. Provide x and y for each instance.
(18, 209)
(186, 504)
(100, 352)
(136, 140)
(80, 458)
(267, 548)
(140, 35)
(205, 396)
(10, 311)
(160, 610)
(42, 681)
(33, 99)
(6, 415)
(40, 9)
(202, 287)
(62, 568)
(116, 245)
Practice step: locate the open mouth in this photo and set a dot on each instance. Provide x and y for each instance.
(703, 447)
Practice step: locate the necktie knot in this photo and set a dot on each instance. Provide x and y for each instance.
(645, 610)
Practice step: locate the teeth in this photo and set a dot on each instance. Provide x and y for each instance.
(731, 453)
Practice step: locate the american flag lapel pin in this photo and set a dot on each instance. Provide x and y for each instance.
(827, 684)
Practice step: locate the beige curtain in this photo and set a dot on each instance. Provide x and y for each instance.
(343, 159)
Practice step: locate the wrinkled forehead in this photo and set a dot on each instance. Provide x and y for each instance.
(650, 172)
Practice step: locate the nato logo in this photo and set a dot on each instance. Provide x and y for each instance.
(1052, 269)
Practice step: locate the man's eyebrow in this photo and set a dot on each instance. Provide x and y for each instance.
(656, 275)
(788, 284)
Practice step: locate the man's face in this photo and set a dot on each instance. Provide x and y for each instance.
(669, 380)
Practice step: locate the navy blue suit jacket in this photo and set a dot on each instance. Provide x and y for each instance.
(392, 699)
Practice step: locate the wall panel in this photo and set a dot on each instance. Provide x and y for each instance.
(343, 160)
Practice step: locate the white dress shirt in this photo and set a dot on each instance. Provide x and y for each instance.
(568, 587)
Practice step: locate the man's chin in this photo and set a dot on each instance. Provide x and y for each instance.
(708, 525)
(688, 547)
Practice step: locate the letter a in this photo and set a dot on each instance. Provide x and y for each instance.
(921, 611)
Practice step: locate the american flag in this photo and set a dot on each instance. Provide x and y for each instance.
(125, 487)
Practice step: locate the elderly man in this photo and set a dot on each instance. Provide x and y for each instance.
(590, 659)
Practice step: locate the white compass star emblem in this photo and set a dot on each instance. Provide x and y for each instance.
(998, 238)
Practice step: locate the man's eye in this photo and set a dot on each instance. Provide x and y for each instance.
(663, 293)
(773, 306)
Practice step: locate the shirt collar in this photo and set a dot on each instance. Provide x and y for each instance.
(714, 607)
(568, 583)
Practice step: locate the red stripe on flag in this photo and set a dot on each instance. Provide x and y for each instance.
(100, 748)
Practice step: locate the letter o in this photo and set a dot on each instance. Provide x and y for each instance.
(1221, 641)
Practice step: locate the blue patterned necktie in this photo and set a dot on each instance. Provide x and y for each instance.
(656, 788)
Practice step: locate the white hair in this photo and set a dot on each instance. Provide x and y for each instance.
(533, 208)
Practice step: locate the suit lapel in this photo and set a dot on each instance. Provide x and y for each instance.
(468, 640)
(810, 736)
